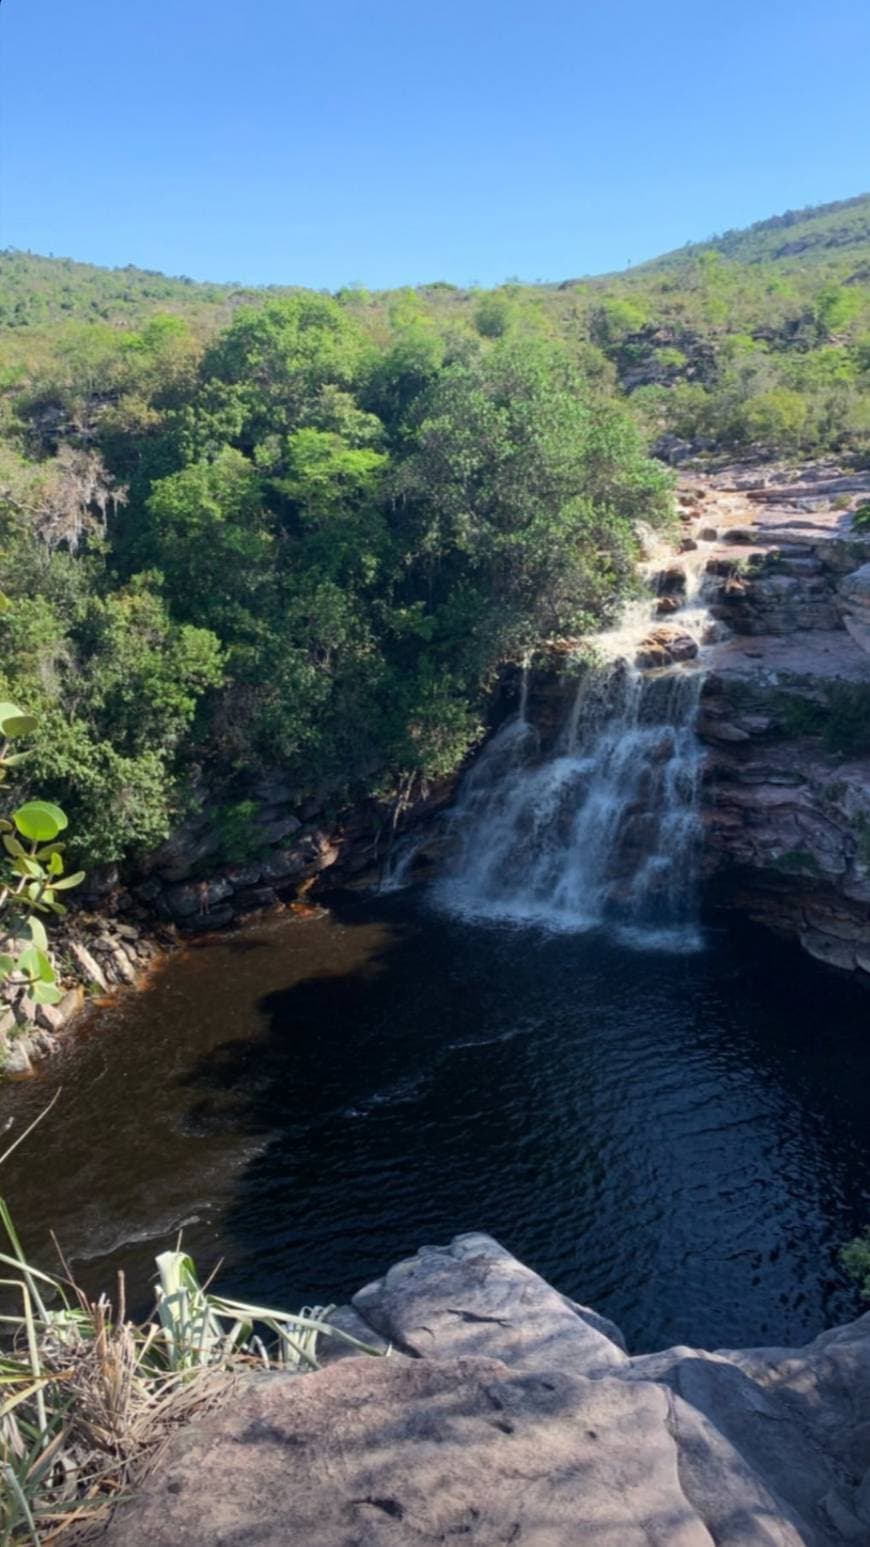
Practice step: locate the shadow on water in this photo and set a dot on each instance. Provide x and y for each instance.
(681, 1141)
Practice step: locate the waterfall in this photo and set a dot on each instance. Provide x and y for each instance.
(603, 830)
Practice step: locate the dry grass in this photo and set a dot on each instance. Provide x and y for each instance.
(88, 1399)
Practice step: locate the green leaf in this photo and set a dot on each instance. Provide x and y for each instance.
(14, 722)
(7, 965)
(45, 993)
(39, 820)
(38, 935)
(26, 867)
(47, 851)
(55, 864)
(36, 964)
(75, 879)
(13, 847)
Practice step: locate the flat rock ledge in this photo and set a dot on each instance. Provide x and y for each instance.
(506, 1414)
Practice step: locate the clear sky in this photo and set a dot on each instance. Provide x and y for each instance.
(323, 142)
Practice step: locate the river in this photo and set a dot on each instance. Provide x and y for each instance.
(680, 1140)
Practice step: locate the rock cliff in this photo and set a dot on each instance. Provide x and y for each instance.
(786, 708)
(504, 1414)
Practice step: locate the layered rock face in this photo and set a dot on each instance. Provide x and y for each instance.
(505, 1413)
(786, 711)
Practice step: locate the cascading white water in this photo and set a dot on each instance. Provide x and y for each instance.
(604, 829)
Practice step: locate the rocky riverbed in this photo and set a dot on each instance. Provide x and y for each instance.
(506, 1413)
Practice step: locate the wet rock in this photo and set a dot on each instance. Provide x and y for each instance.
(253, 898)
(670, 581)
(240, 876)
(284, 865)
(665, 646)
(197, 897)
(667, 605)
(215, 918)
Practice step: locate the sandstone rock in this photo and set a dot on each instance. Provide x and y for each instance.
(240, 876)
(274, 828)
(859, 630)
(473, 1296)
(41, 1043)
(670, 581)
(49, 1017)
(541, 1448)
(665, 646)
(71, 1003)
(185, 850)
(195, 897)
(855, 589)
(17, 1058)
(284, 865)
(92, 970)
(123, 966)
(835, 953)
(383, 1453)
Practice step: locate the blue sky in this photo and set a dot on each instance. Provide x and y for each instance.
(335, 142)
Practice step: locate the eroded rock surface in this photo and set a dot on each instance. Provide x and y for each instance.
(513, 1423)
(785, 712)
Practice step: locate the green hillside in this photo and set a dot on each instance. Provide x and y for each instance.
(824, 233)
(248, 528)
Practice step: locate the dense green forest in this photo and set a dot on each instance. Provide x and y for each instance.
(247, 529)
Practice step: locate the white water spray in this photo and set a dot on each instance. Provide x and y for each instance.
(604, 829)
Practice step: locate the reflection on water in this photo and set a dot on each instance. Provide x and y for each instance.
(681, 1141)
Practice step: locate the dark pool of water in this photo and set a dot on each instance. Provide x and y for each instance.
(681, 1141)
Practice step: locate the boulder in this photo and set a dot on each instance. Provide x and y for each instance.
(475, 1297)
(518, 1420)
(194, 897)
(92, 969)
(666, 645)
(273, 827)
(16, 1059)
(285, 864)
(855, 590)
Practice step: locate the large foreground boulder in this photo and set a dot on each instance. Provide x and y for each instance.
(506, 1414)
